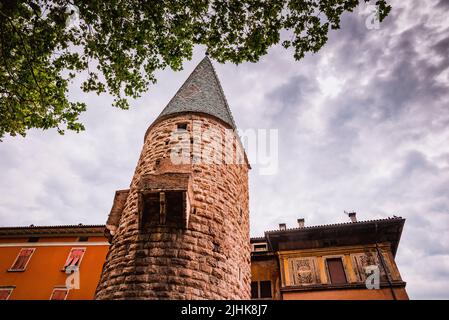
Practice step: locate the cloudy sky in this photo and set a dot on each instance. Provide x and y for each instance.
(363, 126)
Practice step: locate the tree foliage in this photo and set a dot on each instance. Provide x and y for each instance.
(118, 45)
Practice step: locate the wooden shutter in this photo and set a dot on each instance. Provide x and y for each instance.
(75, 256)
(22, 259)
(59, 294)
(4, 293)
(336, 271)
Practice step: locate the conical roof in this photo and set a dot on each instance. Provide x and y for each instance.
(201, 92)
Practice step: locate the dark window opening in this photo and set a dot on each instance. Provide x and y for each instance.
(182, 126)
(260, 247)
(336, 271)
(174, 207)
(33, 239)
(254, 290)
(330, 243)
(83, 239)
(265, 289)
(163, 208)
(261, 290)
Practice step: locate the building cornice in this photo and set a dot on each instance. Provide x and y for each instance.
(52, 231)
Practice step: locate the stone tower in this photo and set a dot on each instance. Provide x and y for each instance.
(181, 231)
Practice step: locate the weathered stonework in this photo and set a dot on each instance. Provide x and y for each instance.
(210, 257)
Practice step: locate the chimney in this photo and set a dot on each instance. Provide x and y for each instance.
(301, 223)
(352, 216)
(282, 226)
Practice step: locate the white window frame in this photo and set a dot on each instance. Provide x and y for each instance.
(11, 289)
(70, 253)
(17, 257)
(59, 288)
(259, 290)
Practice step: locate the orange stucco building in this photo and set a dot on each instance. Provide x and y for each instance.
(34, 261)
(303, 263)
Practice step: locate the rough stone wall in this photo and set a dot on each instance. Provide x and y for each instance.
(208, 260)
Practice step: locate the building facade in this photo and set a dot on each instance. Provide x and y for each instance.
(181, 229)
(36, 263)
(303, 263)
(352, 260)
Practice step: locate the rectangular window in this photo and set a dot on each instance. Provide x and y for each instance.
(181, 126)
(59, 294)
(261, 289)
(260, 247)
(254, 290)
(265, 289)
(75, 257)
(163, 208)
(336, 271)
(5, 293)
(22, 259)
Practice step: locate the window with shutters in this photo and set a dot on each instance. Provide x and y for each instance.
(74, 258)
(22, 259)
(59, 294)
(336, 271)
(5, 293)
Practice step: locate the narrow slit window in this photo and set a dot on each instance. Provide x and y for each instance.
(75, 257)
(22, 259)
(59, 294)
(336, 271)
